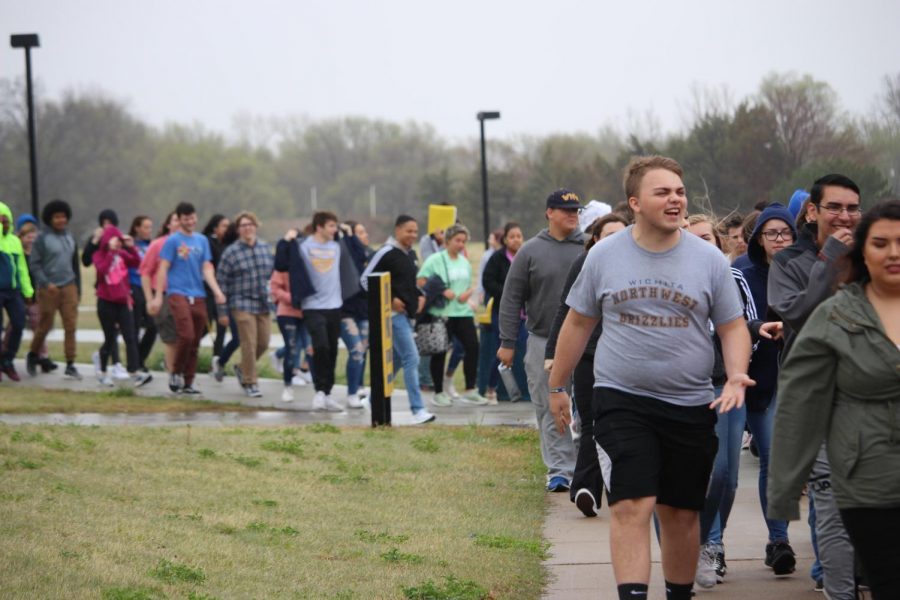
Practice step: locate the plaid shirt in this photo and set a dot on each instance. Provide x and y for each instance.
(243, 274)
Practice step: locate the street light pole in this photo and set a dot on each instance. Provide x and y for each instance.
(29, 41)
(482, 117)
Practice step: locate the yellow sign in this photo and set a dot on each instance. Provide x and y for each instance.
(440, 217)
(387, 332)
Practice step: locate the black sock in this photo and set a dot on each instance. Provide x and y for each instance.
(678, 591)
(633, 591)
(70, 363)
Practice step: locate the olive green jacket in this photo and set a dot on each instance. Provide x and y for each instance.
(840, 383)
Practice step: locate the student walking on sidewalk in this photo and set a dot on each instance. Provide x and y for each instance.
(243, 276)
(15, 290)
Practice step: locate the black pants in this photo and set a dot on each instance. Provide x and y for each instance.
(462, 328)
(875, 535)
(587, 464)
(324, 329)
(142, 320)
(116, 318)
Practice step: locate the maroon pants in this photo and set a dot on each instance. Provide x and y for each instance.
(189, 315)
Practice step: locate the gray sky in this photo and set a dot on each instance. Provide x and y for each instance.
(548, 67)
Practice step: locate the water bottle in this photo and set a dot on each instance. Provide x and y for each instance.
(509, 382)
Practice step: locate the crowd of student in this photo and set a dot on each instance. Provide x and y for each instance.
(664, 316)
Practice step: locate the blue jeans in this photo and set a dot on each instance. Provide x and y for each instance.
(488, 376)
(406, 357)
(355, 334)
(11, 301)
(233, 344)
(816, 571)
(301, 344)
(724, 479)
(289, 327)
(760, 425)
(456, 355)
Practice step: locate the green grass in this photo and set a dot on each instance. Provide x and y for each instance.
(133, 513)
(34, 400)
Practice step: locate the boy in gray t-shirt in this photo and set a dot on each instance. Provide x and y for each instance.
(656, 309)
(657, 289)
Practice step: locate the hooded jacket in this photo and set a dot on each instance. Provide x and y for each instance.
(841, 384)
(764, 363)
(13, 264)
(535, 278)
(113, 284)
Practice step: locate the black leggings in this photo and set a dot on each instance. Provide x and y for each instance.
(462, 328)
(113, 315)
(875, 535)
(143, 320)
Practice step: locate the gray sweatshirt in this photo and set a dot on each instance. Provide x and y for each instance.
(536, 277)
(54, 259)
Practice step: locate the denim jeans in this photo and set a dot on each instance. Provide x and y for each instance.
(724, 479)
(488, 376)
(760, 425)
(11, 301)
(406, 357)
(233, 343)
(289, 327)
(301, 342)
(355, 335)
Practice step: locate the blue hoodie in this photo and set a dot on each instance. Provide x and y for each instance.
(764, 363)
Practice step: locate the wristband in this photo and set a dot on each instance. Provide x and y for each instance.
(557, 390)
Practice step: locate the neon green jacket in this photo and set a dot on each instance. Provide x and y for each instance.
(13, 264)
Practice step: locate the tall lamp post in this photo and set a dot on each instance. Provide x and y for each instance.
(482, 117)
(29, 41)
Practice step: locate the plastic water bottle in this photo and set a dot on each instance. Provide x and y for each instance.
(509, 382)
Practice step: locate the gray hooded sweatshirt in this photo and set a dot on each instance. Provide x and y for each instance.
(536, 277)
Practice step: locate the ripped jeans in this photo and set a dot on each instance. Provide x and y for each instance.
(355, 335)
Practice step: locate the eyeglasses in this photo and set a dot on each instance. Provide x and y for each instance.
(774, 234)
(247, 224)
(576, 211)
(836, 209)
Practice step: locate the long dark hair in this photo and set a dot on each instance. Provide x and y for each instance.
(137, 222)
(164, 226)
(507, 228)
(854, 263)
(596, 228)
(212, 224)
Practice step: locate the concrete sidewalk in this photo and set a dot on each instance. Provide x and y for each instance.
(581, 569)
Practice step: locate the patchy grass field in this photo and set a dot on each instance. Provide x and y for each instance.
(315, 512)
(34, 400)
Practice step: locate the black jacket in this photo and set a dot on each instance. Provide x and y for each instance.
(494, 276)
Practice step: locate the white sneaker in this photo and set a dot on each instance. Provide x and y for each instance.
(140, 378)
(298, 381)
(353, 401)
(472, 397)
(422, 416)
(288, 394)
(332, 405)
(319, 401)
(106, 380)
(305, 375)
(706, 568)
(95, 359)
(120, 372)
(449, 388)
(277, 363)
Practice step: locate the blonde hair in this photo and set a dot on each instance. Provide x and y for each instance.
(245, 214)
(638, 166)
(698, 218)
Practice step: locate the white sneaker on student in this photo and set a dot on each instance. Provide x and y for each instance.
(422, 416)
(298, 381)
(706, 568)
(288, 394)
(332, 405)
(105, 379)
(353, 401)
(319, 401)
(120, 372)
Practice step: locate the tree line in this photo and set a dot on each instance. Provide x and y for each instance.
(95, 153)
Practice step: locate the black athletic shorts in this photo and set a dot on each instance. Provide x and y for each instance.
(648, 447)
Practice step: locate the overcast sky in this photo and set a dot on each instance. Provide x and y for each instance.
(560, 66)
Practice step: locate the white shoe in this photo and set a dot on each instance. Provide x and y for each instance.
(319, 401)
(140, 378)
(706, 568)
(332, 405)
(298, 381)
(120, 372)
(277, 363)
(305, 375)
(422, 416)
(288, 394)
(95, 359)
(449, 388)
(353, 401)
(106, 380)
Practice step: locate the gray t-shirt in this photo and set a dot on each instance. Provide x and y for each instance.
(656, 309)
(323, 262)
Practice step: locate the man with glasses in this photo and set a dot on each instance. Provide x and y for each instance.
(535, 278)
(800, 278)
